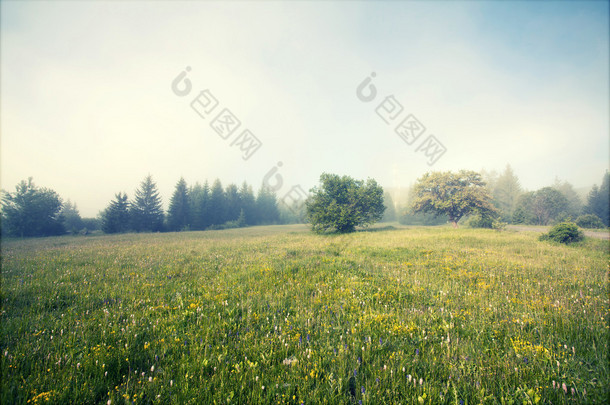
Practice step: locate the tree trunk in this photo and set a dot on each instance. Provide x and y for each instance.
(454, 223)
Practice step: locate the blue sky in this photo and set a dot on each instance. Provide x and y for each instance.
(87, 106)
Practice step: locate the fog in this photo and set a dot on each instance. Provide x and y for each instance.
(97, 95)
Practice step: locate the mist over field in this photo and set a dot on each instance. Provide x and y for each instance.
(88, 107)
(304, 202)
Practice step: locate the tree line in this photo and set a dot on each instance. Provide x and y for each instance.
(198, 207)
(34, 211)
(514, 205)
(435, 199)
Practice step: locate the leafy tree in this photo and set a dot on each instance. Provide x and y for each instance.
(574, 207)
(389, 215)
(452, 194)
(408, 217)
(598, 201)
(506, 192)
(179, 212)
(217, 206)
(541, 207)
(31, 211)
(266, 207)
(71, 217)
(590, 221)
(342, 203)
(116, 217)
(146, 209)
(523, 211)
(248, 204)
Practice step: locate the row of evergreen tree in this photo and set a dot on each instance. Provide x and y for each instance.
(191, 208)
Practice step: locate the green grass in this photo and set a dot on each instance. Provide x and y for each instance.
(280, 315)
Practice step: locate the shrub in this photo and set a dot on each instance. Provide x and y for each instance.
(499, 225)
(480, 221)
(565, 232)
(589, 221)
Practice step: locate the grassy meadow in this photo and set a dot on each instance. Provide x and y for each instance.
(279, 315)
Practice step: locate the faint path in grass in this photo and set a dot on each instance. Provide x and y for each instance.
(601, 234)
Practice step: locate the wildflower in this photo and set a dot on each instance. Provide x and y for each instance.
(152, 369)
(150, 379)
(573, 391)
(565, 388)
(355, 373)
(553, 384)
(362, 389)
(409, 377)
(263, 387)
(77, 365)
(109, 402)
(416, 352)
(421, 381)
(171, 383)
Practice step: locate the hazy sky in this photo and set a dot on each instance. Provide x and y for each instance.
(87, 106)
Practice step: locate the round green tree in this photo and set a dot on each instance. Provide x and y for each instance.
(343, 203)
(454, 195)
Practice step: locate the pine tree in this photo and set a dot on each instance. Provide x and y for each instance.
(217, 210)
(179, 213)
(266, 207)
(233, 199)
(146, 209)
(506, 192)
(248, 203)
(71, 217)
(598, 201)
(200, 204)
(116, 217)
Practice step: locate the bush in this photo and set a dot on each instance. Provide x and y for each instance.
(499, 225)
(478, 221)
(590, 221)
(565, 232)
